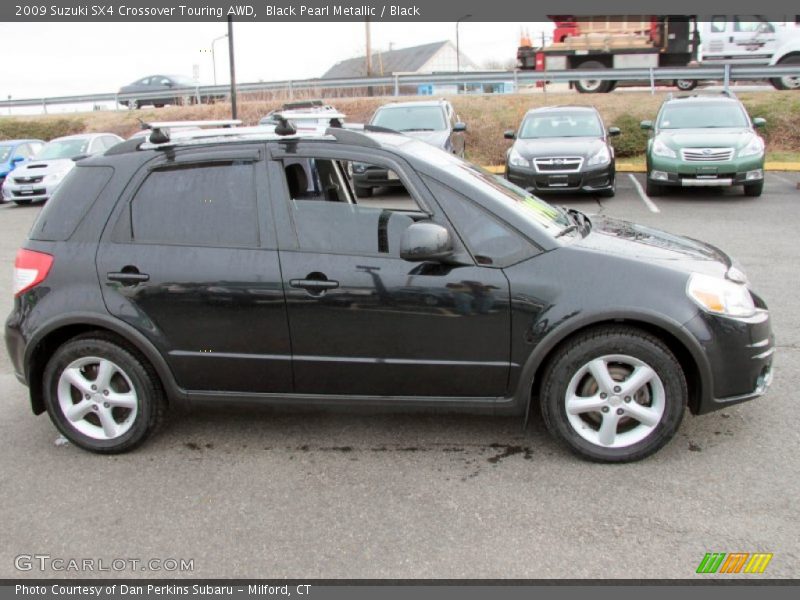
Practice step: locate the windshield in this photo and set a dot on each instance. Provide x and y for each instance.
(709, 114)
(5, 152)
(64, 149)
(561, 124)
(410, 118)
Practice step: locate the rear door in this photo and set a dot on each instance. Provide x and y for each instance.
(189, 259)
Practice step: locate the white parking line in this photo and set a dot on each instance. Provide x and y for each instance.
(783, 179)
(645, 198)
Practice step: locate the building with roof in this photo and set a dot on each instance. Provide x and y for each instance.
(437, 57)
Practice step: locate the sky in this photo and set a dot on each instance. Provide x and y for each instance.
(57, 59)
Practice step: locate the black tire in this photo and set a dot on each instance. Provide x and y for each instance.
(653, 189)
(572, 357)
(783, 83)
(135, 104)
(151, 403)
(589, 86)
(610, 192)
(364, 192)
(158, 105)
(686, 85)
(754, 189)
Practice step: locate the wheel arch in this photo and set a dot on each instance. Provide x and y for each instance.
(680, 342)
(53, 335)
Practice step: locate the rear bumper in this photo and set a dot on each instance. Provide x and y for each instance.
(587, 180)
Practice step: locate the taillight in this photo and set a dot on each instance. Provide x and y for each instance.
(30, 269)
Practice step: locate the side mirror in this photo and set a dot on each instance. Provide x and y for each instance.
(460, 126)
(425, 241)
(510, 135)
(646, 124)
(17, 159)
(759, 122)
(613, 131)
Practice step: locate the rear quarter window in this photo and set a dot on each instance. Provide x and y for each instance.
(72, 200)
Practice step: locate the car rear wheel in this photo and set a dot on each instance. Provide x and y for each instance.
(685, 85)
(102, 397)
(593, 86)
(614, 394)
(754, 189)
(790, 82)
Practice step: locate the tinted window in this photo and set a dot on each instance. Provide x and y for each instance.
(490, 241)
(197, 205)
(719, 23)
(561, 124)
(71, 201)
(696, 116)
(411, 118)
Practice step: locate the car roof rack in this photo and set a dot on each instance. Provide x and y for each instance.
(299, 104)
(160, 134)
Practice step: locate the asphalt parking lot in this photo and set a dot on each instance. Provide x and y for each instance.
(266, 493)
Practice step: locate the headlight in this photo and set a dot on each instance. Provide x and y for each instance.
(515, 159)
(754, 148)
(661, 149)
(54, 177)
(720, 296)
(602, 157)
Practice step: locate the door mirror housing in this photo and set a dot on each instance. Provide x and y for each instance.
(759, 122)
(646, 124)
(510, 135)
(460, 127)
(613, 131)
(425, 241)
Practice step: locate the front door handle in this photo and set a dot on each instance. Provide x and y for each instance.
(314, 284)
(128, 277)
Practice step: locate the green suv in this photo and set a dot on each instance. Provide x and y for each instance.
(702, 141)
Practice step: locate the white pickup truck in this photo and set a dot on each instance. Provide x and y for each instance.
(751, 39)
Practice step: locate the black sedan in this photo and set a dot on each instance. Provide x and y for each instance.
(159, 90)
(562, 149)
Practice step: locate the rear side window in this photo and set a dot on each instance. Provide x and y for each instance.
(70, 203)
(198, 205)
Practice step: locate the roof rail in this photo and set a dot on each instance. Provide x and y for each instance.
(351, 136)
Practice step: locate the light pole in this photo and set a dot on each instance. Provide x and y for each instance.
(458, 45)
(213, 56)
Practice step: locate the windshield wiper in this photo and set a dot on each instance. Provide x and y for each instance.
(566, 230)
(417, 129)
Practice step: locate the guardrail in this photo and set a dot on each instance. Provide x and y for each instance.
(725, 73)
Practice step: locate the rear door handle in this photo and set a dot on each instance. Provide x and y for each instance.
(314, 284)
(128, 277)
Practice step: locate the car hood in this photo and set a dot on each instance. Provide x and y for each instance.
(44, 167)
(706, 137)
(639, 242)
(541, 147)
(434, 138)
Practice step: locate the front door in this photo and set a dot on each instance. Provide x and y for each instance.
(365, 322)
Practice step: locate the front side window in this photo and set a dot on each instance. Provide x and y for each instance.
(197, 205)
(411, 118)
(752, 24)
(330, 217)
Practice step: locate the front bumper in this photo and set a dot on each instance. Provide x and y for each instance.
(679, 173)
(591, 179)
(15, 192)
(739, 354)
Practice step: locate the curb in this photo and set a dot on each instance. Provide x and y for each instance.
(634, 168)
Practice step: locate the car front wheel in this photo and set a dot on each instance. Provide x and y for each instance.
(754, 189)
(614, 394)
(102, 397)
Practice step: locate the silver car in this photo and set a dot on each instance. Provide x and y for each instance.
(41, 176)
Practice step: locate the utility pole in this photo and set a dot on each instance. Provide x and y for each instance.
(233, 66)
(458, 45)
(369, 55)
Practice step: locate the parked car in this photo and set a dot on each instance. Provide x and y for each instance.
(159, 90)
(562, 149)
(704, 141)
(306, 116)
(435, 122)
(476, 295)
(41, 176)
(14, 153)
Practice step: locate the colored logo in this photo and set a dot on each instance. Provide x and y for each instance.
(734, 562)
